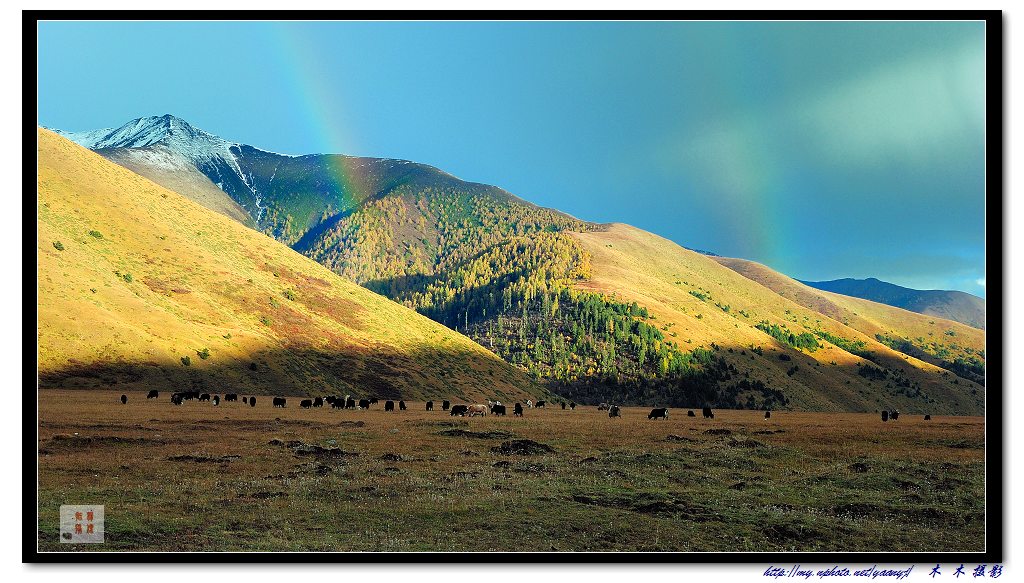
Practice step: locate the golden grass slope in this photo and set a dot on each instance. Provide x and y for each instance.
(148, 280)
(174, 172)
(638, 266)
(864, 315)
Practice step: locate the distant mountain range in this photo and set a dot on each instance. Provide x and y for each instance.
(591, 312)
(953, 305)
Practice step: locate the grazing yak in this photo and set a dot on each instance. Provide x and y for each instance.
(459, 410)
(176, 399)
(231, 397)
(518, 410)
(708, 413)
(318, 402)
(767, 415)
(430, 405)
(529, 403)
(338, 404)
(154, 394)
(245, 400)
(364, 403)
(374, 401)
(541, 404)
(497, 409)
(252, 401)
(603, 407)
(572, 405)
(445, 405)
(401, 405)
(350, 403)
(216, 400)
(280, 402)
(204, 397)
(306, 403)
(613, 411)
(927, 417)
(894, 415)
(885, 416)
(124, 399)
(656, 414)
(690, 413)
(563, 405)
(389, 405)
(477, 409)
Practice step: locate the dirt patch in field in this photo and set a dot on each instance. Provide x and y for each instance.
(267, 495)
(495, 434)
(256, 424)
(61, 442)
(744, 442)
(910, 514)
(859, 467)
(452, 423)
(522, 447)
(650, 504)
(792, 532)
(203, 459)
(718, 432)
(960, 443)
(303, 449)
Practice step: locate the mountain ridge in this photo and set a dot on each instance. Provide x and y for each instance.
(553, 295)
(166, 294)
(954, 305)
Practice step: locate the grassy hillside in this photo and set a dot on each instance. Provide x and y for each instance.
(597, 312)
(173, 172)
(141, 288)
(424, 228)
(824, 358)
(957, 347)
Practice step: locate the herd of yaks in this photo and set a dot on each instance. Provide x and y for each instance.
(494, 407)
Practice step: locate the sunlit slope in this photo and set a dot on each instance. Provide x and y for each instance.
(173, 172)
(700, 302)
(928, 337)
(147, 281)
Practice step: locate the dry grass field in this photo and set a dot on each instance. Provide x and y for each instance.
(232, 477)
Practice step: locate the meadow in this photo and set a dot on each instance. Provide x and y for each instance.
(235, 478)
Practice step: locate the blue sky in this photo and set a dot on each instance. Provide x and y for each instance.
(823, 150)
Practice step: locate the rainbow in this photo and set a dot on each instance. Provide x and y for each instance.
(299, 61)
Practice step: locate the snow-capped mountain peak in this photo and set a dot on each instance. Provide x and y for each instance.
(166, 130)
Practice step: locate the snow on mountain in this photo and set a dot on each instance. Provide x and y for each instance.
(167, 140)
(281, 194)
(86, 139)
(171, 132)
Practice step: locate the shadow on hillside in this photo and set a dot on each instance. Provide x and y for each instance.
(436, 373)
(420, 374)
(869, 386)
